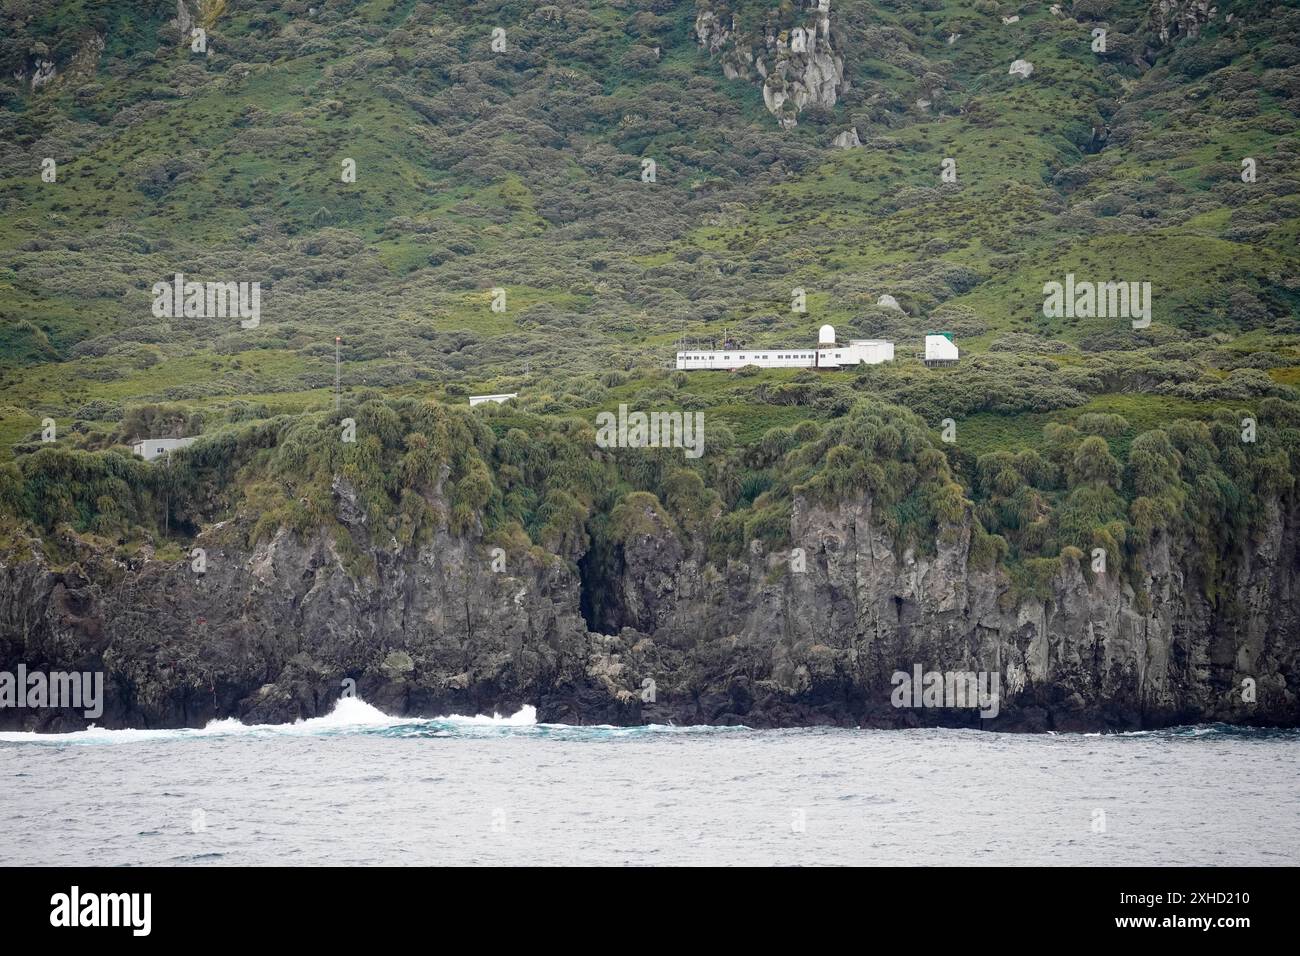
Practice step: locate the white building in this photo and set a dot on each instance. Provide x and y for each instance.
(151, 448)
(499, 399)
(940, 349)
(827, 354)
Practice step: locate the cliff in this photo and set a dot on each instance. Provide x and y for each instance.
(270, 633)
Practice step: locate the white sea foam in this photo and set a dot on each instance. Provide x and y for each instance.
(350, 715)
(526, 717)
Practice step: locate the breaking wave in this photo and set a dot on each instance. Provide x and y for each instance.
(351, 715)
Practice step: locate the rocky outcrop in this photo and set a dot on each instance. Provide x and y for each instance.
(817, 639)
(85, 63)
(793, 56)
(40, 69)
(43, 74)
(269, 633)
(847, 139)
(196, 13)
(186, 18)
(1174, 20)
(791, 637)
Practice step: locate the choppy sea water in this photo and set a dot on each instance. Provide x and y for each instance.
(358, 787)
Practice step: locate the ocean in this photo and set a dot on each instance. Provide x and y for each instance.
(359, 787)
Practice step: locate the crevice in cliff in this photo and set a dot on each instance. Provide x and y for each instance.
(599, 571)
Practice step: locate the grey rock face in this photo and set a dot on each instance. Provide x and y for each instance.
(43, 74)
(813, 636)
(847, 139)
(796, 61)
(821, 644)
(1177, 19)
(269, 633)
(186, 18)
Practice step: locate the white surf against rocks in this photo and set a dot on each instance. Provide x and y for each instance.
(350, 715)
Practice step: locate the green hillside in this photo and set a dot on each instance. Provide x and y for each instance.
(521, 170)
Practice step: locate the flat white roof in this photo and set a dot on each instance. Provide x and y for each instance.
(786, 348)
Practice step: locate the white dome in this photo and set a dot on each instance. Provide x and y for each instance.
(826, 335)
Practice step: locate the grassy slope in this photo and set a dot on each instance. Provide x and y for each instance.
(522, 172)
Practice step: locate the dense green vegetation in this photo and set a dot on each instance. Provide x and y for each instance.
(522, 171)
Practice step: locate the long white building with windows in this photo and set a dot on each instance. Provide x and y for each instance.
(827, 354)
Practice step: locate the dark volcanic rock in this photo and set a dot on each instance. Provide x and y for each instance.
(272, 633)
